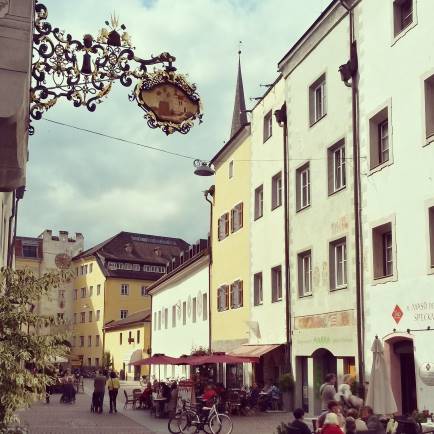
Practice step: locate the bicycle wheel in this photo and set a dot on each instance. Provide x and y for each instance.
(173, 424)
(221, 424)
(188, 422)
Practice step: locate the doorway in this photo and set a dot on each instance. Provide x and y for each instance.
(324, 362)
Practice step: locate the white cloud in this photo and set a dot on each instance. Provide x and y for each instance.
(85, 183)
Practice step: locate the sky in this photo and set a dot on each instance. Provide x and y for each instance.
(80, 182)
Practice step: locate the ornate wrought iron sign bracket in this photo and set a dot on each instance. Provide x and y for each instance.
(84, 71)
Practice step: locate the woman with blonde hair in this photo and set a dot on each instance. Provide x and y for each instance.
(331, 424)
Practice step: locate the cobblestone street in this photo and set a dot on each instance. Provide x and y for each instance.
(57, 418)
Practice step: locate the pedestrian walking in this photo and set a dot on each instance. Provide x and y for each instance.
(327, 391)
(99, 389)
(113, 387)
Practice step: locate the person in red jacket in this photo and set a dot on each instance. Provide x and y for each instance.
(331, 425)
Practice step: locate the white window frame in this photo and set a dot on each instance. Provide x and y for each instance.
(306, 274)
(124, 313)
(340, 263)
(231, 169)
(387, 246)
(194, 309)
(383, 142)
(276, 190)
(174, 316)
(276, 291)
(303, 174)
(339, 169)
(258, 291)
(259, 201)
(125, 289)
(268, 126)
(205, 306)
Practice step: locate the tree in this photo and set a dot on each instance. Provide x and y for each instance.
(107, 362)
(26, 356)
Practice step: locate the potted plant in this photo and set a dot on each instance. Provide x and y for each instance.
(286, 386)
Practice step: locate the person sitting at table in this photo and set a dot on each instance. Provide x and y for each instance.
(360, 424)
(373, 422)
(253, 397)
(145, 398)
(209, 394)
(332, 407)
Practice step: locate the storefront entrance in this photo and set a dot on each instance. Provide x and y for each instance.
(399, 353)
(324, 362)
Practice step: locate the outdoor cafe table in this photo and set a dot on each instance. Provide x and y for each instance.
(427, 427)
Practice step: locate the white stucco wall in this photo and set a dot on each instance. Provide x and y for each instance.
(181, 339)
(392, 72)
(267, 239)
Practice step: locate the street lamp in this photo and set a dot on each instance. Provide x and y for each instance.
(84, 71)
(203, 168)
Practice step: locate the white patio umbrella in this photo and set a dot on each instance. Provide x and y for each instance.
(380, 396)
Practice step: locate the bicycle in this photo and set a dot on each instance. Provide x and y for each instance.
(174, 421)
(207, 419)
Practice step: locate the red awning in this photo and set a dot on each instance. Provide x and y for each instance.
(156, 359)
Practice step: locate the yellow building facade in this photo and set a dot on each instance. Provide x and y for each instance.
(128, 340)
(110, 285)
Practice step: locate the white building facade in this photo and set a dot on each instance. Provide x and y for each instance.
(267, 240)
(180, 311)
(396, 133)
(321, 207)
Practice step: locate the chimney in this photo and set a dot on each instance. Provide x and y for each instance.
(63, 236)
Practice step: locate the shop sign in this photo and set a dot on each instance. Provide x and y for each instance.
(185, 393)
(426, 373)
(397, 314)
(422, 311)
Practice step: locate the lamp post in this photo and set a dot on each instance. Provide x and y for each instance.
(203, 168)
(83, 72)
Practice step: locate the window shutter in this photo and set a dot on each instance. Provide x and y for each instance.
(219, 229)
(226, 216)
(240, 293)
(240, 215)
(231, 290)
(233, 216)
(226, 296)
(219, 299)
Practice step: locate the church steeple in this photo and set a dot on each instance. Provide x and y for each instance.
(239, 117)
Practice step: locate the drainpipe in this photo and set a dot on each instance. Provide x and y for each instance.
(209, 192)
(349, 71)
(282, 121)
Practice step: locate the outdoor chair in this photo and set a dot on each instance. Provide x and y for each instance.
(234, 402)
(129, 399)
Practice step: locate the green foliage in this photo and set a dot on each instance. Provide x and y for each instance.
(26, 354)
(286, 382)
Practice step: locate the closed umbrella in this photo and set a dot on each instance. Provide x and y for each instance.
(380, 396)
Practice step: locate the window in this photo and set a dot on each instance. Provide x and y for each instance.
(120, 338)
(60, 316)
(379, 136)
(231, 169)
(336, 167)
(259, 202)
(257, 289)
(98, 289)
(237, 294)
(402, 15)
(276, 284)
(90, 291)
(155, 320)
(194, 309)
(223, 298)
(143, 291)
(75, 318)
(75, 294)
(90, 316)
(429, 107)
(223, 226)
(159, 320)
(317, 100)
(89, 341)
(303, 187)
(276, 191)
(382, 251)
(338, 264)
(138, 336)
(76, 271)
(90, 268)
(431, 234)
(205, 306)
(174, 315)
(237, 217)
(184, 312)
(96, 361)
(85, 269)
(305, 273)
(98, 312)
(81, 341)
(89, 361)
(83, 292)
(125, 289)
(30, 251)
(82, 317)
(166, 318)
(97, 340)
(130, 337)
(81, 270)
(268, 125)
(124, 313)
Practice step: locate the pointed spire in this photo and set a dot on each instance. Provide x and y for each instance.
(239, 117)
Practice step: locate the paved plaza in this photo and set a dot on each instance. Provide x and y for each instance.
(56, 418)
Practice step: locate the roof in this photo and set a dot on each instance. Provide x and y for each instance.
(136, 248)
(300, 41)
(133, 319)
(239, 116)
(229, 143)
(177, 270)
(253, 350)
